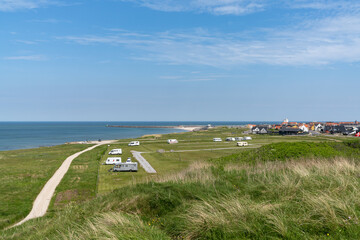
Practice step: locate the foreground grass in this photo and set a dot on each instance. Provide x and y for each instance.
(287, 198)
(79, 183)
(23, 173)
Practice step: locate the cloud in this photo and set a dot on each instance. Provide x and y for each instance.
(14, 5)
(242, 7)
(27, 58)
(218, 7)
(313, 42)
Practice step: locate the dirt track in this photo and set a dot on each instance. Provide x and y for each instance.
(42, 201)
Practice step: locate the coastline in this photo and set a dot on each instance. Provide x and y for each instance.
(91, 142)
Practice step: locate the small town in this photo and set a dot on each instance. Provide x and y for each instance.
(308, 128)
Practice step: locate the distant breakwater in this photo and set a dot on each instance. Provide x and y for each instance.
(123, 126)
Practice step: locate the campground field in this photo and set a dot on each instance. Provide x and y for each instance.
(253, 192)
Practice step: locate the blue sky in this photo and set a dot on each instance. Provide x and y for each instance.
(232, 60)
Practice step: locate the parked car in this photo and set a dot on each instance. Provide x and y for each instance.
(134, 143)
(239, 139)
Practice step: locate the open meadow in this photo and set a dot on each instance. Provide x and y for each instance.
(23, 173)
(295, 187)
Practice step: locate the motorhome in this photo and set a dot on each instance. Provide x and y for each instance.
(115, 151)
(128, 166)
(134, 143)
(239, 139)
(248, 138)
(242, 144)
(113, 160)
(172, 141)
(217, 139)
(230, 139)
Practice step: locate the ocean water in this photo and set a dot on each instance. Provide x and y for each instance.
(22, 135)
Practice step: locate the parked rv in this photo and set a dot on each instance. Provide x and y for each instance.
(113, 160)
(217, 140)
(115, 151)
(230, 139)
(128, 166)
(247, 138)
(134, 143)
(239, 139)
(242, 144)
(172, 141)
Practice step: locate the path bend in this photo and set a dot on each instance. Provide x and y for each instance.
(42, 201)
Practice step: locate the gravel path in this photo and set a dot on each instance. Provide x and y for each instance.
(42, 201)
(145, 164)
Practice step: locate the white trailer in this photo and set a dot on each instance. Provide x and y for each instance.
(134, 143)
(248, 138)
(242, 144)
(217, 140)
(230, 139)
(115, 151)
(172, 141)
(113, 160)
(128, 166)
(239, 139)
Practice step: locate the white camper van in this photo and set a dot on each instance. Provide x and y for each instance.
(115, 151)
(134, 143)
(128, 166)
(239, 139)
(217, 140)
(113, 160)
(230, 139)
(242, 144)
(172, 141)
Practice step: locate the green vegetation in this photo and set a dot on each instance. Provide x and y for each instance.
(294, 198)
(308, 150)
(302, 188)
(79, 183)
(23, 173)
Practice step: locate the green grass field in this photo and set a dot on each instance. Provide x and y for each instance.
(292, 187)
(23, 173)
(287, 197)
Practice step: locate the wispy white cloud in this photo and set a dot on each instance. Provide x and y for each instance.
(218, 7)
(14, 5)
(315, 42)
(27, 58)
(242, 7)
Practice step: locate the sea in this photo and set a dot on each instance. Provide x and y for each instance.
(25, 135)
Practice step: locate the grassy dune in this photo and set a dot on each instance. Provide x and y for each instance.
(277, 196)
(23, 173)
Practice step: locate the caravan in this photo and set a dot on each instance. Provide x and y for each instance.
(242, 144)
(113, 160)
(134, 143)
(172, 141)
(115, 151)
(128, 166)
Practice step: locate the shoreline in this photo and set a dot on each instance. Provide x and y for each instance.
(186, 129)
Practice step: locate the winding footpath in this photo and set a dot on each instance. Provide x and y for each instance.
(42, 201)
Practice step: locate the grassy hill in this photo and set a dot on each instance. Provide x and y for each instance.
(297, 190)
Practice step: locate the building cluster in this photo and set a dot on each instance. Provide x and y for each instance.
(313, 128)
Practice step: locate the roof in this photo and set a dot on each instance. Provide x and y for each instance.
(288, 129)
